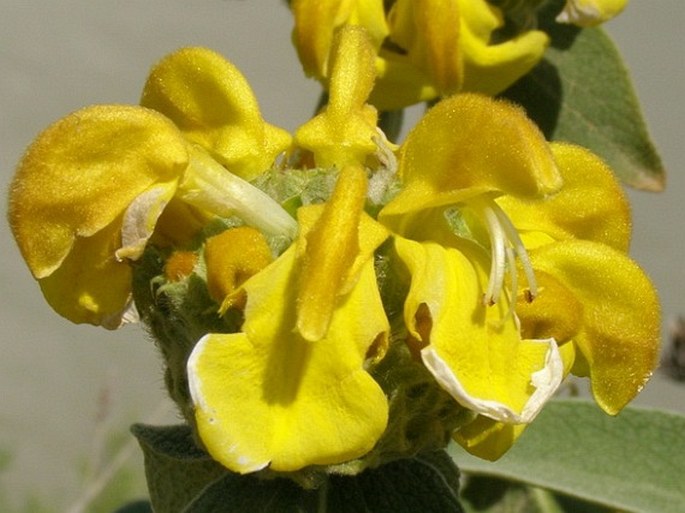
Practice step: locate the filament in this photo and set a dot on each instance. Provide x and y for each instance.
(505, 247)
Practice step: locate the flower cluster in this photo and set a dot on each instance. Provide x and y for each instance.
(328, 300)
(426, 49)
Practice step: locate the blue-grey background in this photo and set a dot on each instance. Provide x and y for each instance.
(57, 379)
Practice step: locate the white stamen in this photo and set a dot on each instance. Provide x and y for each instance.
(505, 247)
(519, 248)
(498, 266)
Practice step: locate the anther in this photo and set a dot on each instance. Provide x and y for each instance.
(528, 296)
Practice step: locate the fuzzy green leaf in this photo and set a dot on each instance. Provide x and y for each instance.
(246, 494)
(175, 468)
(634, 462)
(136, 507)
(426, 483)
(484, 494)
(184, 479)
(582, 93)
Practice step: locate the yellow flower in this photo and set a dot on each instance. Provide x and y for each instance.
(463, 154)
(481, 188)
(425, 48)
(588, 13)
(92, 187)
(291, 389)
(343, 136)
(345, 131)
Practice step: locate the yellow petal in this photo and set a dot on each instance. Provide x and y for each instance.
(315, 23)
(488, 439)
(327, 275)
(214, 106)
(267, 397)
(317, 20)
(429, 31)
(469, 145)
(554, 313)
(345, 131)
(352, 72)
(443, 47)
(473, 351)
(619, 336)
(490, 68)
(91, 285)
(588, 13)
(83, 172)
(423, 60)
(399, 83)
(591, 205)
(330, 247)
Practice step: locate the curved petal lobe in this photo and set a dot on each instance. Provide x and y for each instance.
(619, 335)
(213, 105)
(268, 397)
(83, 172)
(456, 152)
(474, 352)
(91, 285)
(590, 206)
(327, 275)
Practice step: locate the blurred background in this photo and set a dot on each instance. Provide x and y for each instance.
(68, 393)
